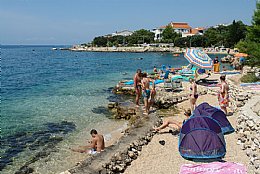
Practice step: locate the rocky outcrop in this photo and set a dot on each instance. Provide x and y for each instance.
(124, 90)
(128, 49)
(255, 70)
(248, 130)
(122, 110)
(165, 100)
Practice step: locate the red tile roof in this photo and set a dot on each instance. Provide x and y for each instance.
(194, 31)
(182, 25)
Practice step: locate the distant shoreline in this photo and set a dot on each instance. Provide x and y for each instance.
(174, 50)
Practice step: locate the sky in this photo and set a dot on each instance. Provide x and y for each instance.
(68, 22)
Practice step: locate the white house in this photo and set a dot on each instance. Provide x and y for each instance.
(179, 27)
(122, 33)
(158, 33)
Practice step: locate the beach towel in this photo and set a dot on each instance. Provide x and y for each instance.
(250, 84)
(229, 72)
(213, 168)
(131, 82)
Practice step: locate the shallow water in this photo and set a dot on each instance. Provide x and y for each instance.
(51, 99)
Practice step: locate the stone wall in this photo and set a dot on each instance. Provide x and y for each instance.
(248, 130)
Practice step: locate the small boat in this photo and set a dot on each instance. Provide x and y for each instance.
(176, 55)
(54, 48)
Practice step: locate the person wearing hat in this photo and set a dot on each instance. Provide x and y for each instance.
(173, 123)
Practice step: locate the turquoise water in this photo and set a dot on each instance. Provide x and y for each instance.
(46, 93)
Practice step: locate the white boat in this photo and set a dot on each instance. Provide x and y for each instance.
(54, 48)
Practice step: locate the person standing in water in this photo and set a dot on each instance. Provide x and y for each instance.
(193, 94)
(138, 86)
(223, 97)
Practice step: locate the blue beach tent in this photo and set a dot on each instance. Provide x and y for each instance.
(204, 109)
(201, 138)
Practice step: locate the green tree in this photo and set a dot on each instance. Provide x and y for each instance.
(251, 44)
(197, 41)
(140, 37)
(236, 32)
(169, 35)
(181, 42)
(100, 41)
(212, 38)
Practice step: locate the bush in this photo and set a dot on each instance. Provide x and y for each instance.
(249, 78)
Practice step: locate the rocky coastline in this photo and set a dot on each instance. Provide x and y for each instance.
(141, 49)
(116, 158)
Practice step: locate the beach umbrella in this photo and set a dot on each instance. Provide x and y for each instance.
(241, 55)
(198, 58)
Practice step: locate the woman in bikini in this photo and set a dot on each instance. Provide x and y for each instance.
(193, 94)
(223, 97)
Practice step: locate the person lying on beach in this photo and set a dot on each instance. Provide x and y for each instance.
(96, 145)
(173, 123)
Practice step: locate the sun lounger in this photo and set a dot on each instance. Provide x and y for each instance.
(172, 85)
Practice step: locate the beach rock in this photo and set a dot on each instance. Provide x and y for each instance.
(128, 161)
(65, 172)
(112, 105)
(131, 154)
(25, 170)
(239, 103)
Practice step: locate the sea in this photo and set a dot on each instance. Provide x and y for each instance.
(51, 99)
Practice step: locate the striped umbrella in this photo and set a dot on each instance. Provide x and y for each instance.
(198, 58)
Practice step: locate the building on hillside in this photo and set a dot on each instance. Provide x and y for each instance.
(158, 33)
(194, 31)
(122, 33)
(179, 27)
(219, 25)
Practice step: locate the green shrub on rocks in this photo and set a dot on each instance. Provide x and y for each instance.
(249, 78)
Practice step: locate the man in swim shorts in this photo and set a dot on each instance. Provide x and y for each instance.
(97, 144)
(146, 92)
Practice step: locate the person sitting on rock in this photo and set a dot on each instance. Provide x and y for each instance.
(97, 144)
(173, 123)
